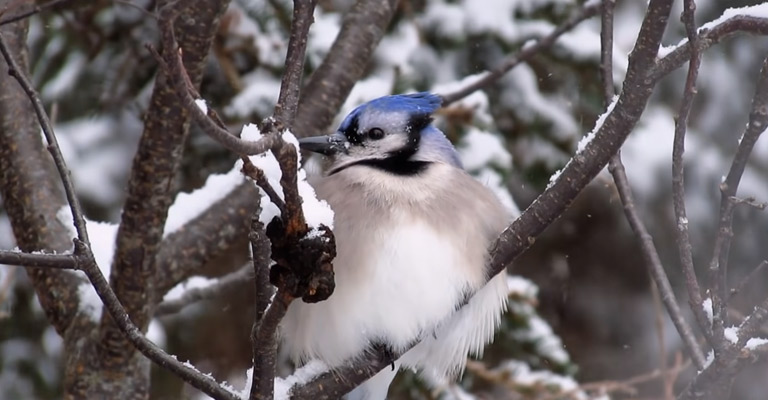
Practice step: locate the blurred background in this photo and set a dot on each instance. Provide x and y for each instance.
(583, 308)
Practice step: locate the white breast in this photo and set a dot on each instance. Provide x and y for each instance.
(410, 281)
(401, 270)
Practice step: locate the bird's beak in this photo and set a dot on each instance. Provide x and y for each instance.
(326, 145)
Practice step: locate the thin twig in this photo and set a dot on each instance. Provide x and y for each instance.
(264, 339)
(288, 100)
(706, 39)
(525, 54)
(658, 308)
(39, 260)
(31, 11)
(260, 253)
(715, 381)
(266, 322)
(261, 180)
(53, 146)
(653, 263)
(190, 375)
(758, 120)
(263, 368)
(750, 277)
(682, 233)
(173, 68)
(347, 61)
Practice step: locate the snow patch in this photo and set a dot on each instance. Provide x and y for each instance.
(189, 206)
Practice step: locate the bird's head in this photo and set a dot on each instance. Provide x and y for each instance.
(393, 133)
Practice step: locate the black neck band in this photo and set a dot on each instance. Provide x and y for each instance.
(392, 165)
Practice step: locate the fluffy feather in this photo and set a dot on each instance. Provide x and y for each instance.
(410, 249)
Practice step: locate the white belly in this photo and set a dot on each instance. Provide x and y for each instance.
(393, 287)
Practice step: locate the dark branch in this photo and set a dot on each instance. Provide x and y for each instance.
(682, 233)
(53, 145)
(653, 263)
(175, 72)
(198, 380)
(616, 168)
(361, 30)
(264, 338)
(35, 9)
(38, 260)
(706, 39)
(334, 384)
(288, 101)
(748, 279)
(525, 54)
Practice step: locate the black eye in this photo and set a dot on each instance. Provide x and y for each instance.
(375, 133)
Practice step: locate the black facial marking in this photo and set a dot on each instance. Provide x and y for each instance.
(417, 122)
(351, 131)
(392, 165)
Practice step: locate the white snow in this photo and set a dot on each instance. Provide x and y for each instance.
(299, 377)
(732, 334)
(283, 385)
(522, 297)
(66, 77)
(521, 374)
(522, 93)
(477, 101)
(757, 11)
(479, 149)
(194, 282)
(188, 206)
(102, 236)
(259, 95)
(395, 49)
(321, 35)
(519, 286)
(316, 212)
(156, 333)
(755, 342)
(598, 124)
(200, 103)
(707, 306)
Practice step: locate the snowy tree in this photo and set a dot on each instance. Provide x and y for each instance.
(143, 150)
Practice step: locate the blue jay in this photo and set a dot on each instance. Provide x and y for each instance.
(412, 232)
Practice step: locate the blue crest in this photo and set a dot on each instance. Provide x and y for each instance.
(417, 104)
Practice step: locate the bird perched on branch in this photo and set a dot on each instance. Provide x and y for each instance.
(412, 232)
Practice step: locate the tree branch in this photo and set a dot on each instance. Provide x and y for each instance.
(118, 313)
(150, 193)
(682, 235)
(653, 263)
(35, 9)
(706, 39)
(32, 196)
(616, 168)
(526, 53)
(288, 101)
(173, 69)
(39, 260)
(53, 146)
(362, 28)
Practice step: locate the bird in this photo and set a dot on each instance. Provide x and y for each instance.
(413, 231)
